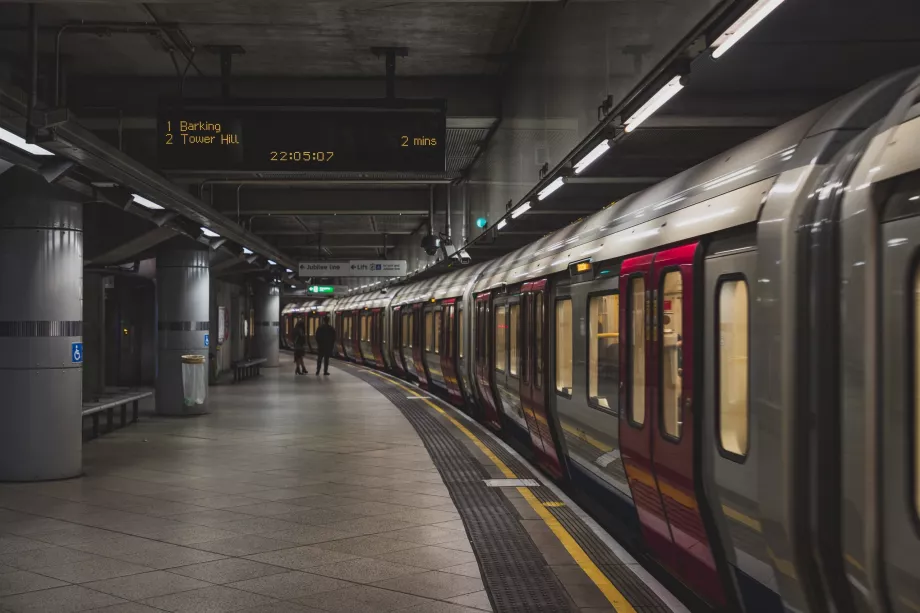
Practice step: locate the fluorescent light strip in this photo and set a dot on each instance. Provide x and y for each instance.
(549, 189)
(501, 224)
(149, 204)
(745, 24)
(657, 101)
(520, 210)
(19, 142)
(209, 233)
(247, 251)
(589, 159)
(272, 262)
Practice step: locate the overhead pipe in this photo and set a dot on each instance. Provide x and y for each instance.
(33, 72)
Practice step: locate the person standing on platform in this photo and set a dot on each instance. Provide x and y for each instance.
(325, 342)
(300, 348)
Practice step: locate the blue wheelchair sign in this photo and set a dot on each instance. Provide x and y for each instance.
(76, 353)
(207, 340)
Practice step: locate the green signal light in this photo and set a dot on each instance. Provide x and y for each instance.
(481, 222)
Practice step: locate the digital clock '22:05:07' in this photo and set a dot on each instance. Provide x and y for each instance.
(301, 156)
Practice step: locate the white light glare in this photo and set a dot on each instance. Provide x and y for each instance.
(655, 102)
(745, 24)
(549, 189)
(501, 224)
(589, 159)
(520, 210)
(149, 204)
(288, 270)
(272, 262)
(209, 233)
(247, 251)
(17, 141)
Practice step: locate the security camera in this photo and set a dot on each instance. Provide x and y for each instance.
(431, 244)
(463, 257)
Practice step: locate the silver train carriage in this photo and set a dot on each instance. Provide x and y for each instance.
(723, 368)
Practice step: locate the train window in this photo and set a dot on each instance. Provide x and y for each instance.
(916, 390)
(437, 331)
(564, 346)
(515, 323)
(501, 338)
(637, 350)
(428, 331)
(672, 353)
(538, 341)
(604, 351)
(733, 369)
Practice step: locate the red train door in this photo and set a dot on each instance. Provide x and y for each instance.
(485, 359)
(399, 366)
(418, 323)
(449, 351)
(658, 439)
(534, 377)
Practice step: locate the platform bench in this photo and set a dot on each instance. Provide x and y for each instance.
(247, 368)
(108, 406)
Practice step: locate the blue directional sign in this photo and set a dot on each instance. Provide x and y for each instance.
(207, 340)
(76, 353)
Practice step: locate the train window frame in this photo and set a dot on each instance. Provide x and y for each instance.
(437, 322)
(560, 299)
(630, 342)
(717, 362)
(517, 364)
(461, 345)
(659, 342)
(592, 401)
(539, 340)
(503, 309)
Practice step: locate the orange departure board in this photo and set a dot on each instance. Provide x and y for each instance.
(316, 136)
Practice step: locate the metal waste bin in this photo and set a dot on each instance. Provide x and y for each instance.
(194, 380)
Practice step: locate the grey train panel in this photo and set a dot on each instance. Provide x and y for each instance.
(267, 325)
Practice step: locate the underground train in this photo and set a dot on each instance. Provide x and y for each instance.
(723, 368)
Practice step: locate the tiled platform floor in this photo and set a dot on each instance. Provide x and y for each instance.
(294, 495)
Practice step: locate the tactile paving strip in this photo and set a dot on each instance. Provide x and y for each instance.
(516, 577)
(636, 591)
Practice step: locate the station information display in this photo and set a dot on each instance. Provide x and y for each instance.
(215, 137)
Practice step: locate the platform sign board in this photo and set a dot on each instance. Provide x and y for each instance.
(76, 353)
(311, 136)
(321, 289)
(354, 268)
(378, 268)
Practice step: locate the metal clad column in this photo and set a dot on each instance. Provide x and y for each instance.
(41, 327)
(268, 323)
(183, 297)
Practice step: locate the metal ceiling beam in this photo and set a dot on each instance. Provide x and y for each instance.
(332, 212)
(328, 232)
(131, 248)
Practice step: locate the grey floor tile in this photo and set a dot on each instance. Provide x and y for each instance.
(17, 544)
(34, 526)
(268, 509)
(371, 545)
(46, 556)
(366, 570)
(67, 599)
(179, 556)
(433, 584)
(146, 585)
(319, 516)
(190, 534)
(75, 535)
(308, 535)
(290, 585)
(7, 569)
(301, 558)
(210, 517)
(454, 524)
(470, 569)
(371, 525)
(476, 600)
(243, 545)
(228, 570)
(461, 544)
(280, 607)
(95, 568)
(438, 606)
(257, 525)
(129, 607)
(22, 581)
(425, 535)
(370, 508)
(319, 500)
(361, 599)
(222, 501)
(426, 516)
(215, 599)
(431, 557)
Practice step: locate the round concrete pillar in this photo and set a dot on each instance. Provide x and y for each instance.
(268, 322)
(183, 296)
(41, 328)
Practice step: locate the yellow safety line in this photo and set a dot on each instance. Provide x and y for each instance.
(613, 595)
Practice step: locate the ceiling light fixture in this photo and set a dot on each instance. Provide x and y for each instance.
(501, 224)
(552, 187)
(149, 204)
(272, 263)
(19, 142)
(657, 101)
(520, 210)
(247, 251)
(209, 233)
(602, 148)
(743, 25)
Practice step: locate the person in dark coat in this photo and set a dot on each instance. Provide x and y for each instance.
(300, 348)
(325, 343)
